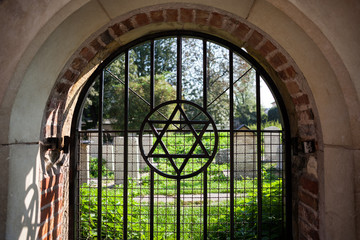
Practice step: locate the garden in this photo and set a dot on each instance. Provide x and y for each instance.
(192, 210)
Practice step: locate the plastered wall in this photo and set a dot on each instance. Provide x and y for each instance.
(39, 38)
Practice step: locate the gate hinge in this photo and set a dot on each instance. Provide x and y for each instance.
(61, 144)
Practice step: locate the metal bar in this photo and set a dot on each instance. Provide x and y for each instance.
(232, 167)
(225, 90)
(126, 118)
(152, 75)
(288, 185)
(178, 208)
(229, 87)
(152, 105)
(100, 134)
(152, 183)
(179, 68)
(74, 189)
(205, 88)
(178, 155)
(136, 94)
(205, 75)
(258, 139)
(173, 130)
(178, 121)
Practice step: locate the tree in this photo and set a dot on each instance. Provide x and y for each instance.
(273, 114)
(217, 81)
(139, 87)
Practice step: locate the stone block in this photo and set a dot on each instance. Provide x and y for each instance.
(147, 140)
(222, 156)
(273, 146)
(245, 155)
(84, 162)
(132, 159)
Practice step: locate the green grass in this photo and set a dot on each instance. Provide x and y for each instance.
(246, 202)
(191, 212)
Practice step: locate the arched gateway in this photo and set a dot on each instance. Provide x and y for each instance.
(175, 139)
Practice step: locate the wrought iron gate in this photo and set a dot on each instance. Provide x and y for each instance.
(173, 142)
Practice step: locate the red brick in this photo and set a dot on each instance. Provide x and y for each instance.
(307, 231)
(157, 16)
(277, 60)
(49, 226)
(308, 200)
(51, 181)
(51, 196)
(267, 48)
(307, 131)
(241, 31)
(288, 73)
(301, 100)
(55, 233)
(309, 184)
(201, 17)
(96, 45)
(128, 24)
(308, 215)
(292, 87)
(310, 114)
(78, 64)
(305, 115)
(171, 15)
(62, 87)
(230, 25)
(87, 54)
(106, 37)
(117, 30)
(142, 19)
(70, 75)
(51, 210)
(186, 15)
(255, 39)
(216, 20)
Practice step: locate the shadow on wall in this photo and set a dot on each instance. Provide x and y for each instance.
(24, 194)
(31, 213)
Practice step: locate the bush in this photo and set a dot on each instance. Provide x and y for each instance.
(94, 169)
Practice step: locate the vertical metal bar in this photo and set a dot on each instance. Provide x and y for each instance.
(232, 167)
(74, 189)
(205, 75)
(288, 186)
(152, 74)
(179, 68)
(205, 86)
(152, 104)
(178, 208)
(100, 141)
(126, 117)
(178, 97)
(259, 177)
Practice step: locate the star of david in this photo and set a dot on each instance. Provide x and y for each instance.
(184, 122)
(187, 123)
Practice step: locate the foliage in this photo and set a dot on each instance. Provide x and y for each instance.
(246, 211)
(245, 214)
(274, 114)
(94, 169)
(217, 80)
(266, 124)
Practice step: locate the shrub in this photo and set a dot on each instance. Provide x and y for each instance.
(94, 169)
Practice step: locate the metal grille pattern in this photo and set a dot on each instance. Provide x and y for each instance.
(166, 158)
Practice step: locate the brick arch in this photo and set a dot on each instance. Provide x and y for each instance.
(235, 29)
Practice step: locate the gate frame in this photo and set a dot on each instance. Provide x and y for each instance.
(257, 66)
